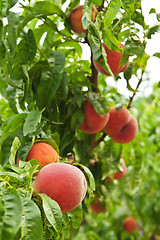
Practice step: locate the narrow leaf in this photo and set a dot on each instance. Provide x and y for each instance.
(14, 125)
(31, 122)
(112, 11)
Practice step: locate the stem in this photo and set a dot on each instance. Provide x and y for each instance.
(96, 143)
(94, 77)
(132, 97)
(101, 7)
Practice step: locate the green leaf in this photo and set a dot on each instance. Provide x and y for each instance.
(128, 6)
(14, 125)
(153, 30)
(47, 8)
(26, 48)
(89, 175)
(13, 176)
(62, 92)
(1, 31)
(31, 122)
(157, 54)
(31, 228)
(52, 211)
(13, 22)
(98, 51)
(13, 214)
(77, 119)
(2, 51)
(76, 217)
(112, 11)
(3, 7)
(50, 81)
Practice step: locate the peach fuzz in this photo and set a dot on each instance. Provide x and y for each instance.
(97, 207)
(43, 153)
(121, 126)
(113, 60)
(130, 224)
(76, 19)
(118, 174)
(62, 182)
(92, 122)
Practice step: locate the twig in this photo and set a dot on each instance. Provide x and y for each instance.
(101, 7)
(96, 143)
(94, 77)
(132, 97)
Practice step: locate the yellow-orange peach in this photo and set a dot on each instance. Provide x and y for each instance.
(43, 153)
(118, 174)
(121, 126)
(76, 19)
(92, 122)
(62, 182)
(97, 206)
(113, 60)
(130, 224)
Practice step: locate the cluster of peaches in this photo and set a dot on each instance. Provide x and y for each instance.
(119, 124)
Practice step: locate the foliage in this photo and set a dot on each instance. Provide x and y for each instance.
(43, 84)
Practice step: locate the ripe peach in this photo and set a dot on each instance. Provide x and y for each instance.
(121, 126)
(64, 183)
(43, 153)
(130, 224)
(97, 207)
(118, 174)
(92, 122)
(113, 60)
(76, 19)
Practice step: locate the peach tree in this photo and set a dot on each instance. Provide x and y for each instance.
(50, 92)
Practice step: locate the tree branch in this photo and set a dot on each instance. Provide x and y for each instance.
(96, 143)
(101, 7)
(132, 97)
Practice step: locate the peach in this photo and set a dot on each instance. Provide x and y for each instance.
(76, 19)
(97, 207)
(130, 224)
(121, 126)
(43, 153)
(118, 174)
(62, 182)
(92, 122)
(113, 60)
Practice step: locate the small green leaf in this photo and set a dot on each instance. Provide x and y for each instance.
(112, 11)
(52, 211)
(14, 125)
(31, 122)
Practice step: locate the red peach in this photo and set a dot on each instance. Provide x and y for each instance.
(92, 122)
(113, 60)
(97, 207)
(130, 224)
(118, 174)
(43, 153)
(64, 183)
(76, 19)
(121, 126)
